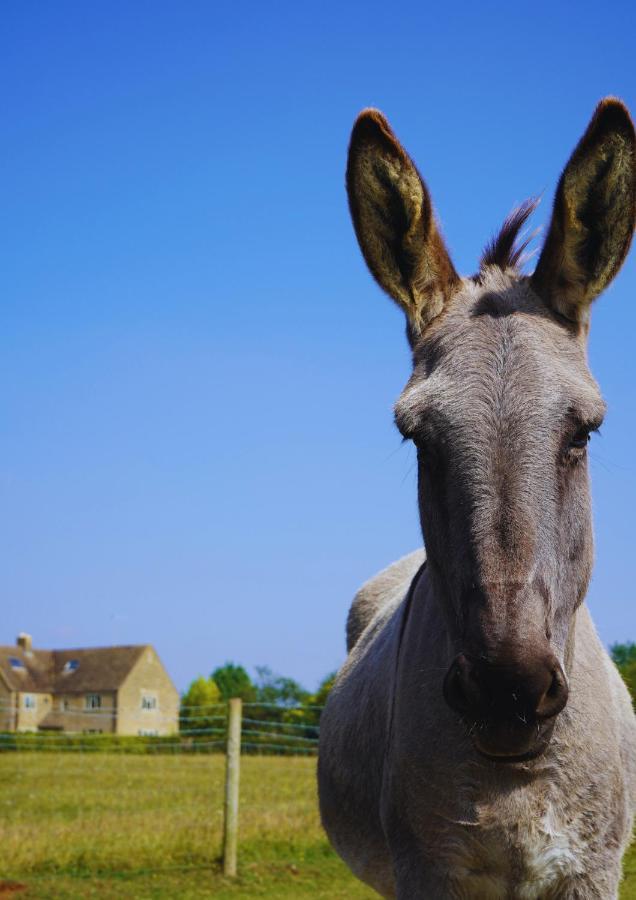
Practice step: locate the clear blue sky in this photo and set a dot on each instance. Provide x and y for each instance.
(196, 372)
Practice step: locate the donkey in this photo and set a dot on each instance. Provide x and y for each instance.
(478, 742)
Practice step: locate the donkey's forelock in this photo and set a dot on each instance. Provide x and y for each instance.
(506, 250)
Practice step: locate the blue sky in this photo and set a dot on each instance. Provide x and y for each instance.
(196, 372)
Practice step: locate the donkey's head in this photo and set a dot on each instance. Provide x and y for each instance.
(500, 407)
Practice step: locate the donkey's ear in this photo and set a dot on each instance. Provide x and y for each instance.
(593, 217)
(393, 218)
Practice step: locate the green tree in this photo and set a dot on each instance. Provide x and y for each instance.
(278, 690)
(320, 697)
(200, 707)
(628, 671)
(233, 681)
(309, 712)
(623, 654)
(315, 702)
(281, 715)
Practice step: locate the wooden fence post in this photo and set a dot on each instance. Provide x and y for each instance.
(232, 773)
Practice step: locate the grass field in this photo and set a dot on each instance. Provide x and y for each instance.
(108, 825)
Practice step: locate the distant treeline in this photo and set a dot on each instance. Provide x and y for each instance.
(278, 712)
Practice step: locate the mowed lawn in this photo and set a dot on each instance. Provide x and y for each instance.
(109, 825)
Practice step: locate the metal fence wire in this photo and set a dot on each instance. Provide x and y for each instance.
(265, 727)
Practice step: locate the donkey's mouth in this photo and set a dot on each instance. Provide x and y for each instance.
(512, 757)
(510, 743)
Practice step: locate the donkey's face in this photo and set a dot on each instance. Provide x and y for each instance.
(500, 406)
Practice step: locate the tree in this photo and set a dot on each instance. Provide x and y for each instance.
(278, 690)
(628, 671)
(320, 697)
(233, 681)
(315, 702)
(281, 714)
(623, 654)
(200, 707)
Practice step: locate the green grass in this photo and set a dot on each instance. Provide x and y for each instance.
(111, 825)
(119, 825)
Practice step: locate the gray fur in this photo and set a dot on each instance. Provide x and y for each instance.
(422, 803)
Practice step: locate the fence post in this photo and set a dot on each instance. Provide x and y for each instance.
(232, 772)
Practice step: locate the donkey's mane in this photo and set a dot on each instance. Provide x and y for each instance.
(505, 250)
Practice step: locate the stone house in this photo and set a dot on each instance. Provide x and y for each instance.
(111, 690)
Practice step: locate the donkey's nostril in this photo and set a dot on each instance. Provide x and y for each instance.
(553, 690)
(555, 697)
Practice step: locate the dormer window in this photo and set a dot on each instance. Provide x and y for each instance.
(71, 665)
(17, 664)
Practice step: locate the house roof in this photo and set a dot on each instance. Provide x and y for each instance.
(49, 671)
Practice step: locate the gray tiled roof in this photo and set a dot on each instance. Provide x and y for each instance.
(43, 671)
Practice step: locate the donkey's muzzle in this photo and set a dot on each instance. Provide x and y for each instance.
(517, 698)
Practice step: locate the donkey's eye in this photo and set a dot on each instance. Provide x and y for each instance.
(580, 439)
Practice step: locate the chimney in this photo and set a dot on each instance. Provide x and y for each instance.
(25, 641)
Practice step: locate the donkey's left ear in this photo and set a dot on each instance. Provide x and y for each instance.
(593, 217)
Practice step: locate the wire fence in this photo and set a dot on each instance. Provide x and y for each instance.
(266, 727)
(91, 803)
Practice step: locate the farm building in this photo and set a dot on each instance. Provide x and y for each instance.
(115, 690)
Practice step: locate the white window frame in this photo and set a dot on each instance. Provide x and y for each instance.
(30, 701)
(93, 701)
(149, 701)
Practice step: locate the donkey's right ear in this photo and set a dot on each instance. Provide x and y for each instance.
(393, 218)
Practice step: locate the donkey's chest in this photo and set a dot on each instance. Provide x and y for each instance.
(527, 859)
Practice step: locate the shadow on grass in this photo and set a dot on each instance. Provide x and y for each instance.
(317, 873)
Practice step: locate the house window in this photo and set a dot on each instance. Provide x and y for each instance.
(148, 732)
(29, 701)
(149, 701)
(71, 665)
(16, 664)
(93, 701)
(64, 705)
